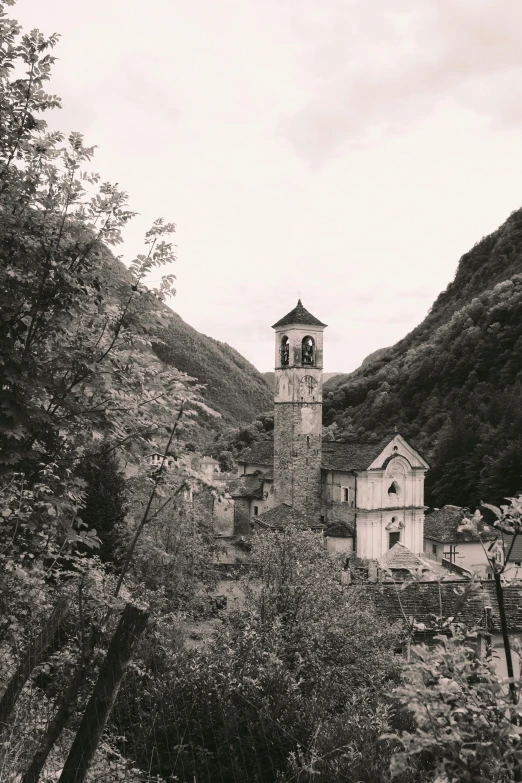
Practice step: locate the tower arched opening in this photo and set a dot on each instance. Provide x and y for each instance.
(285, 351)
(308, 351)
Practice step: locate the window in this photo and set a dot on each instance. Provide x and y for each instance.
(307, 351)
(285, 352)
(518, 563)
(434, 548)
(256, 511)
(346, 494)
(392, 489)
(394, 538)
(452, 554)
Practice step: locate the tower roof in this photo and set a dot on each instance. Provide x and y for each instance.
(299, 315)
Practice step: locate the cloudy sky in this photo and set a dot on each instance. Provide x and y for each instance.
(347, 151)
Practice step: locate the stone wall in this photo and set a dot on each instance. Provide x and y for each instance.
(297, 456)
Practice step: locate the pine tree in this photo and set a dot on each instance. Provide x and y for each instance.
(105, 507)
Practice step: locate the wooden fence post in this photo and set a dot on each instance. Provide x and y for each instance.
(66, 706)
(36, 654)
(132, 624)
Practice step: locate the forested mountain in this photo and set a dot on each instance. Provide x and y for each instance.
(233, 386)
(453, 385)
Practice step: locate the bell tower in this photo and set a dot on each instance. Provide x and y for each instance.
(298, 409)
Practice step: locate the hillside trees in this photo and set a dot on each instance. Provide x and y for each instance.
(76, 367)
(454, 390)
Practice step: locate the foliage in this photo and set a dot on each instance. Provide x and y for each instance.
(466, 726)
(453, 385)
(105, 504)
(234, 441)
(301, 665)
(173, 562)
(78, 374)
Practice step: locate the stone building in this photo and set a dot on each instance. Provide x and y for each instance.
(366, 496)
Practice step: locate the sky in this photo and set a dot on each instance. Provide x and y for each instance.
(347, 152)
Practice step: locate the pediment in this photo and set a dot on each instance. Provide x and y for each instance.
(399, 449)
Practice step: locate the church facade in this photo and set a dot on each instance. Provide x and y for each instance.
(366, 496)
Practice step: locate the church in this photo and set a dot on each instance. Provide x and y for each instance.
(366, 497)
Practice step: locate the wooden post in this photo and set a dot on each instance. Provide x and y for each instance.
(65, 708)
(505, 635)
(36, 654)
(132, 624)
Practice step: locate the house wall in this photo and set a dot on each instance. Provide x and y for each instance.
(499, 656)
(339, 546)
(374, 527)
(223, 514)
(334, 507)
(381, 511)
(247, 468)
(241, 519)
(513, 571)
(267, 502)
(468, 554)
(372, 487)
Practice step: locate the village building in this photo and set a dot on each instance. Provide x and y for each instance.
(466, 548)
(424, 610)
(365, 496)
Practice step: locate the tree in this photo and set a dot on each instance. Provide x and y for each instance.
(76, 360)
(77, 365)
(105, 503)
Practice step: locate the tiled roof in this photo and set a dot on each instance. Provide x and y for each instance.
(299, 315)
(351, 456)
(260, 453)
(516, 552)
(336, 455)
(284, 515)
(442, 525)
(250, 486)
(399, 556)
(421, 600)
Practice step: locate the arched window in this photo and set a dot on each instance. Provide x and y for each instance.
(285, 352)
(307, 351)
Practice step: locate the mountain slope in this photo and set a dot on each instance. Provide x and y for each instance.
(234, 388)
(454, 384)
